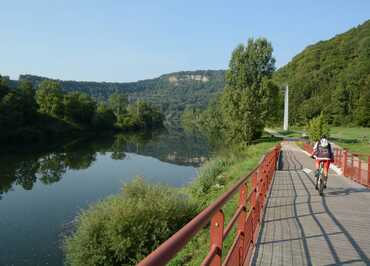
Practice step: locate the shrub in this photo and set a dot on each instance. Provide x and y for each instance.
(318, 127)
(123, 229)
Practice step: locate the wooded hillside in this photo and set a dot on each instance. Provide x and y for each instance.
(332, 76)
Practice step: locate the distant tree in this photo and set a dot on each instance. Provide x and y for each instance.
(50, 98)
(118, 102)
(79, 108)
(248, 95)
(141, 115)
(26, 91)
(104, 117)
(12, 113)
(4, 89)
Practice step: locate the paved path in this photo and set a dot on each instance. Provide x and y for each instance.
(302, 228)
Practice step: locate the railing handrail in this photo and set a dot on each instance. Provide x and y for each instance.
(171, 246)
(167, 250)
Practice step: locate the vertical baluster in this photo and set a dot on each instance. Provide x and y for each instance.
(359, 170)
(242, 222)
(352, 174)
(345, 155)
(254, 201)
(368, 171)
(216, 232)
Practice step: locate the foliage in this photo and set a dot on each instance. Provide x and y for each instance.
(118, 103)
(249, 98)
(122, 229)
(79, 108)
(49, 97)
(140, 115)
(27, 115)
(318, 127)
(332, 77)
(104, 117)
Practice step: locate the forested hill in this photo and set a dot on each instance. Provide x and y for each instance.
(333, 76)
(170, 92)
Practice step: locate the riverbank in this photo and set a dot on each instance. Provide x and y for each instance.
(126, 235)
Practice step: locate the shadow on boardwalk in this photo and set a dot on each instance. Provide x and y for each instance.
(301, 228)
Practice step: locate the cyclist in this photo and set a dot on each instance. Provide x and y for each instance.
(322, 152)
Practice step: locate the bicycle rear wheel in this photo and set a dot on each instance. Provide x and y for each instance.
(321, 186)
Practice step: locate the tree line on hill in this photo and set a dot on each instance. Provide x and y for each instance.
(170, 93)
(332, 77)
(30, 114)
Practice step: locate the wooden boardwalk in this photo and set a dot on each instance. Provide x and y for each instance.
(301, 228)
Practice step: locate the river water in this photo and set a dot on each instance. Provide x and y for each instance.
(41, 192)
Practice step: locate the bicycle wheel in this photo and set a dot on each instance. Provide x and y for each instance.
(321, 186)
(321, 179)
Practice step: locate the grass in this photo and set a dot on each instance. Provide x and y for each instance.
(355, 139)
(362, 148)
(350, 133)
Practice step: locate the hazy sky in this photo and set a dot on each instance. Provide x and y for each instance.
(121, 40)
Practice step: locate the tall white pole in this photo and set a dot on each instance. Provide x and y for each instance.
(286, 108)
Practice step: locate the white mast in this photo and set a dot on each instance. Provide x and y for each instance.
(286, 108)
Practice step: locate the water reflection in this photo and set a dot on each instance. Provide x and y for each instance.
(173, 146)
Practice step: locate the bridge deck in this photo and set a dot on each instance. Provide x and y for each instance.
(301, 228)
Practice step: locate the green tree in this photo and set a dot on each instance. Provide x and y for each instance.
(249, 92)
(50, 98)
(79, 108)
(317, 127)
(140, 115)
(104, 117)
(27, 93)
(118, 102)
(4, 89)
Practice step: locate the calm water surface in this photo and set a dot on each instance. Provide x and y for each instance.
(41, 192)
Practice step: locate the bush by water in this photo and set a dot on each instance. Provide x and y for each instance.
(123, 229)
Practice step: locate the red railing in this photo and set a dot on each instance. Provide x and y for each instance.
(351, 164)
(247, 216)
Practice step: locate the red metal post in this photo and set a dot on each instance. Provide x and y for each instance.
(359, 171)
(344, 166)
(352, 172)
(254, 199)
(242, 219)
(216, 232)
(368, 171)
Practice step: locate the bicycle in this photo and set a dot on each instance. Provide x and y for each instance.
(320, 182)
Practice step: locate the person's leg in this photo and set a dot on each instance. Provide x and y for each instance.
(317, 172)
(326, 172)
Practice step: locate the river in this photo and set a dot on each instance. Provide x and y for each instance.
(42, 191)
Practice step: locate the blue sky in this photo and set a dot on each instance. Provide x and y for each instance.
(131, 40)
